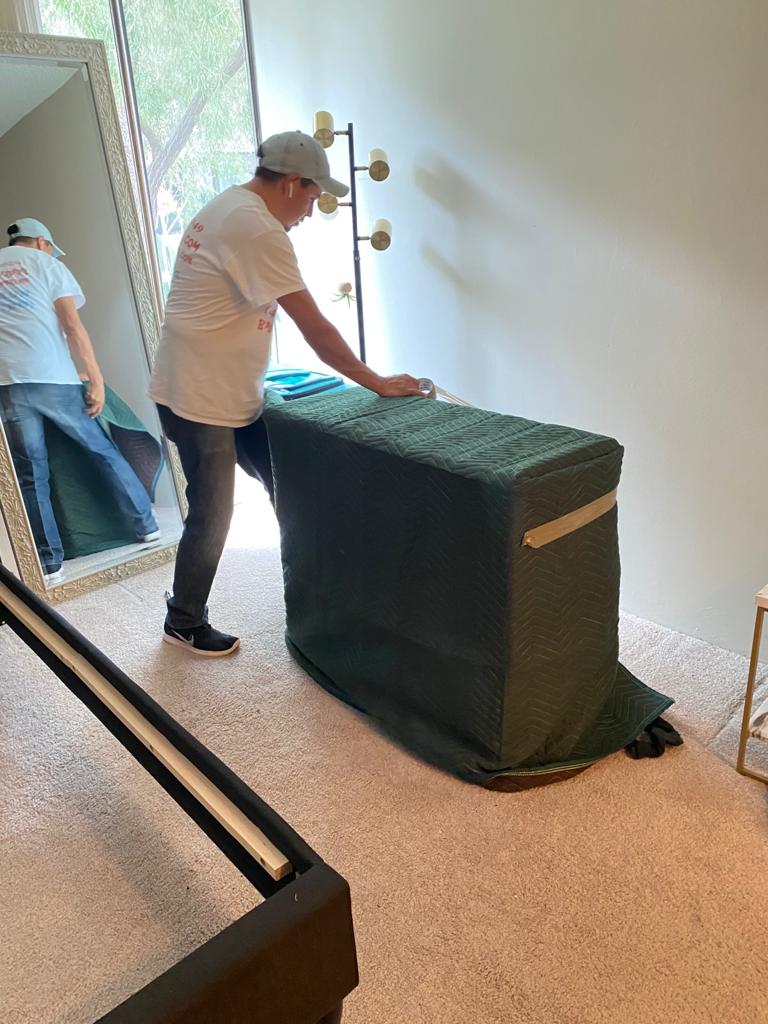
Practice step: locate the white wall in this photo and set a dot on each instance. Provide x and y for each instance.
(580, 205)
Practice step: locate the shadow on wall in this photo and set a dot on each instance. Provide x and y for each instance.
(474, 216)
(480, 246)
(631, 123)
(496, 258)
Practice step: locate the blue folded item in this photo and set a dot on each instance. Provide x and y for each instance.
(290, 383)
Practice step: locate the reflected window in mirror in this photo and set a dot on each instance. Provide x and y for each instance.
(91, 19)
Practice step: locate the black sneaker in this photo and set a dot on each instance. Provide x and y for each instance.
(204, 640)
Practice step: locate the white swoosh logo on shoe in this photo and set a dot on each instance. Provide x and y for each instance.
(184, 639)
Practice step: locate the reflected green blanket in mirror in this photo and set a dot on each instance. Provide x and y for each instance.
(409, 593)
(86, 513)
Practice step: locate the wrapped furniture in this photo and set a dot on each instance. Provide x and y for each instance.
(454, 573)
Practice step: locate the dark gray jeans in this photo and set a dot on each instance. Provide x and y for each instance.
(209, 455)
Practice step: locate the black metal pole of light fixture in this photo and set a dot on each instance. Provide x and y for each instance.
(381, 237)
(355, 246)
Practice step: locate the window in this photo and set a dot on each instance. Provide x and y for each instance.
(192, 94)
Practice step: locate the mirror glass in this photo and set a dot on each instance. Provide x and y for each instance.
(98, 491)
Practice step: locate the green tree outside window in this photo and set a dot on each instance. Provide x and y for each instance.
(192, 95)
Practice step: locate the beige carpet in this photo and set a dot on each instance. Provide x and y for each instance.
(632, 893)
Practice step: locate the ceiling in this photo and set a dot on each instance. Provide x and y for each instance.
(25, 84)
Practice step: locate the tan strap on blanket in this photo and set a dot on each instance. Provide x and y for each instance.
(557, 528)
(449, 397)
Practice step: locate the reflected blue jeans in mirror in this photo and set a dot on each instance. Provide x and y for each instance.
(24, 409)
(208, 456)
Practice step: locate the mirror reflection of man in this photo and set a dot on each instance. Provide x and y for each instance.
(235, 265)
(45, 356)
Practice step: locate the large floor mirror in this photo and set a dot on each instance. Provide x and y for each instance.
(97, 515)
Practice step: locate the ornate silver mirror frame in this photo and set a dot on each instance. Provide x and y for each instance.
(92, 55)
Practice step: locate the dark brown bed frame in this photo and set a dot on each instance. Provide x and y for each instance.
(290, 960)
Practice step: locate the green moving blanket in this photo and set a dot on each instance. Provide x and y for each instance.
(410, 595)
(86, 513)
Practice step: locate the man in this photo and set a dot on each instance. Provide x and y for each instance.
(45, 356)
(235, 265)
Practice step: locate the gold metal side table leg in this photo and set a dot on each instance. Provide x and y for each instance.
(753, 662)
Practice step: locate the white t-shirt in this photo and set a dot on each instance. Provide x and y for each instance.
(33, 349)
(235, 260)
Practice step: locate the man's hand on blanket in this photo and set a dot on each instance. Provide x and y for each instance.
(397, 387)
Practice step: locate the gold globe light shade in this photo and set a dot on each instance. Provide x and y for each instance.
(327, 203)
(323, 130)
(378, 165)
(381, 236)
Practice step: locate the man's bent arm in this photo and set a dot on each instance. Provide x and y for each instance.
(81, 350)
(322, 336)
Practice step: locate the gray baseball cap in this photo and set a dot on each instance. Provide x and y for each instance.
(28, 227)
(297, 153)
